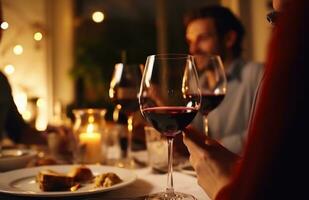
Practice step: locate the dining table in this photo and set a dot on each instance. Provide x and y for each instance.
(147, 181)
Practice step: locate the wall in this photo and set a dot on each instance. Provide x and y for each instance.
(30, 67)
(260, 29)
(42, 70)
(253, 15)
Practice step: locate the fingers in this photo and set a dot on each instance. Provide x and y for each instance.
(211, 142)
(198, 155)
(192, 147)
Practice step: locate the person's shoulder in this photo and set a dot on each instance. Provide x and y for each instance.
(4, 83)
(252, 71)
(3, 78)
(252, 68)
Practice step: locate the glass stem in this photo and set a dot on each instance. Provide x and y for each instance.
(206, 125)
(130, 131)
(170, 184)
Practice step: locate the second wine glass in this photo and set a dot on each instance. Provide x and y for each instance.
(123, 91)
(213, 83)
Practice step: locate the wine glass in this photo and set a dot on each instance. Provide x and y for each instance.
(213, 83)
(123, 91)
(169, 99)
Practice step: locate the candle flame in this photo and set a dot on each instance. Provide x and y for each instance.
(90, 119)
(90, 128)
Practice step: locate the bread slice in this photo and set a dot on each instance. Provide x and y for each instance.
(81, 174)
(54, 181)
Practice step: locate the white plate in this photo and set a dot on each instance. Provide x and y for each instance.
(22, 182)
(15, 158)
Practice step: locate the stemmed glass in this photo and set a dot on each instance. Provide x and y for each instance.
(169, 99)
(213, 83)
(123, 91)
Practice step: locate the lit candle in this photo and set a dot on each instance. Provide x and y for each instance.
(91, 141)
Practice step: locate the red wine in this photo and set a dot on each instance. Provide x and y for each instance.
(127, 98)
(128, 106)
(169, 120)
(210, 102)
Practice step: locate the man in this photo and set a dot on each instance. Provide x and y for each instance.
(273, 163)
(216, 30)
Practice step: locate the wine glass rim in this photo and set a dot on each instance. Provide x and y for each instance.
(170, 56)
(128, 64)
(208, 55)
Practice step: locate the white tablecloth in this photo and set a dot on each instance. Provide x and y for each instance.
(147, 183)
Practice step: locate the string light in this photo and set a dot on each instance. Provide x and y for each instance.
(4, 25)
(98, 16)
(9, 69)
(18, 49)
(38, 36)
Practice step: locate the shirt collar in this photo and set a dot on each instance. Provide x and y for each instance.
(233, 71)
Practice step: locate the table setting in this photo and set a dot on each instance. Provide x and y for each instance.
(167, 103)
(137, 183)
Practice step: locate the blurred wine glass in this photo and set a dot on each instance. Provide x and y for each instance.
(213, 83)
(169, 100)
(123, 91)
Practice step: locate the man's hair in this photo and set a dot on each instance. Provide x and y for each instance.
(224, 20)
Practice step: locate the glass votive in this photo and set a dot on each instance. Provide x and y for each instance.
(89, 136)
(156, 149)
(113, 148)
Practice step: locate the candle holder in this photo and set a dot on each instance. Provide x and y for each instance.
(89, 136)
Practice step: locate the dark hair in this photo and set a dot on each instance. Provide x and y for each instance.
(225, 21)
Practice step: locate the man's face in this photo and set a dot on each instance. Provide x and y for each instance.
(203, 39)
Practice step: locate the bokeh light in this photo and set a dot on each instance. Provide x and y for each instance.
(9, 69)
(38, 36)
(4, 25)
(98, 16)
(18, 49)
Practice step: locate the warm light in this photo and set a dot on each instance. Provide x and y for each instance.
(90, 128)
(130, 124)
(27, 115)
(20, 99)
(41, 120)
(9, 69)
(18, 49)
(38, 36)
(97, 16)
(90, 119)
(4, 25)
(116, 112)
(40, 102)
(111, 93)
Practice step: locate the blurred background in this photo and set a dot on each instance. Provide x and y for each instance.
(60, 54)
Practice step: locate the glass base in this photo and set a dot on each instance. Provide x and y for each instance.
(170, 196)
